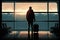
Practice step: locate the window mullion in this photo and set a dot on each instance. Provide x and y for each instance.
(14, 17)
(48, 17)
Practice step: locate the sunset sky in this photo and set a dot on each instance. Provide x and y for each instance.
(21, 8)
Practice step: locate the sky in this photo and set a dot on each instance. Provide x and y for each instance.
(21, 7)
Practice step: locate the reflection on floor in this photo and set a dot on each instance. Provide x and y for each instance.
(23, 34)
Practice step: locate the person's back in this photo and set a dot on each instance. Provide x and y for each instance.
(30, 15)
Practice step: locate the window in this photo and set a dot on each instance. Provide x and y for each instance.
(46, 14)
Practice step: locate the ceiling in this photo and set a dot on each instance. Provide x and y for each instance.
(29, 0)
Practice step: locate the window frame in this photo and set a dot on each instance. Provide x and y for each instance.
(35, 12)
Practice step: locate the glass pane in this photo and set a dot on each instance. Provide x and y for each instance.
(37, 7)
(38, 17)
(21, 26)
(43, 26)
(8, 16)
(19, 17)
(24, 25)
(53, 16)
(7, 7)
(10, 24)
(53, 7)
(41, 16)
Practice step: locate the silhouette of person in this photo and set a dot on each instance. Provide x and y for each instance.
(30, 19)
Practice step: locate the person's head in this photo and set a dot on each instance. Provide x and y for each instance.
(30, 7)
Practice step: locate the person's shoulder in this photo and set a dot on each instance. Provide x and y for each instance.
(31, 10)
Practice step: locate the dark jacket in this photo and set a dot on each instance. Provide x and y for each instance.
(30, 16)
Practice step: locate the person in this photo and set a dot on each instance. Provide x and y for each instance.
(30, 19)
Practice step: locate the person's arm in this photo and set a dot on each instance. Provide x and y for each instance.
(34, 16)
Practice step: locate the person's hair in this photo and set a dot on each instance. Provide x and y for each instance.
(30, 7)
